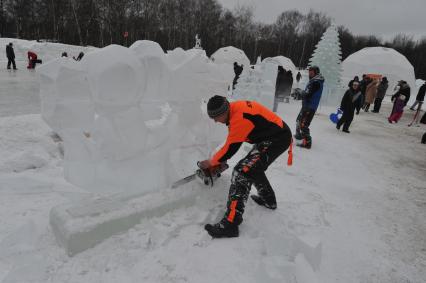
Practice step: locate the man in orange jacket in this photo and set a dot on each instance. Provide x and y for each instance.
(247, 121)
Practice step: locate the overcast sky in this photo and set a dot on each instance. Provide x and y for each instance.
(384, 18)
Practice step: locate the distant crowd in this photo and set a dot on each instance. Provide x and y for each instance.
(372, 90)
(360, 95)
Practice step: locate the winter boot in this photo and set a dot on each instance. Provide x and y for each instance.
(267, 202)
(305, 144)
(223, 229)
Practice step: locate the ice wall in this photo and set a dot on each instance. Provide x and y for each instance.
(130, 116)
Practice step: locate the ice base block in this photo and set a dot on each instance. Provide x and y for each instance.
(80, 226)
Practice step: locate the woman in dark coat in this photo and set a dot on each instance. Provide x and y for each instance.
(348, 105)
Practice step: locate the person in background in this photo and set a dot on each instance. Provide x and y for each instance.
(419, 98)
(79, 57)
(347, 105)
(403, 88)
(247, 121)
(298, 77)
(310, 102)
(355, 79)
(10, 54)
(370, 93)
(381, 92)
(363, 87)
(238, 69)
(398, 109)
(423, 119)
(64, 54)
(32, 60)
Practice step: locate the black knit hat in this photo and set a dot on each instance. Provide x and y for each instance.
(314, 68)
(217, 105)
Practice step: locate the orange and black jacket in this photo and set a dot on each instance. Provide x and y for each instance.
(249, 122)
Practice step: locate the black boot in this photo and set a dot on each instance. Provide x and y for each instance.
(223, 229)
(305, 143)
(270, 203)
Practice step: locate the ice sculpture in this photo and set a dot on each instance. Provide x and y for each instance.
(126, 114)
(328, 57)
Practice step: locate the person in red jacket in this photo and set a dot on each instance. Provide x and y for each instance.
(251, 122)
(32, 60)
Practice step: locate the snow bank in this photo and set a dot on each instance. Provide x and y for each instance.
(122, 112)
(25, 145)
(379, 60)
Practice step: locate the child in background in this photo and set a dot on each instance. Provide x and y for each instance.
(398, 109)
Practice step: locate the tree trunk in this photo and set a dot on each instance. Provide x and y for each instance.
(76, 22)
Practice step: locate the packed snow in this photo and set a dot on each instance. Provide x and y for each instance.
(351, 209)
(379, 60)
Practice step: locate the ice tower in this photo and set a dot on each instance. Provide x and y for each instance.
(328, 57)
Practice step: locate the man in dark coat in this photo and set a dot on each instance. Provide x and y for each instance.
(298, 77)
(420, 97)
(10, 56)
(347, 105)
(381, 92)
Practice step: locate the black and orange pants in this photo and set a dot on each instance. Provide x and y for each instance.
(251, 170)
(303, 122)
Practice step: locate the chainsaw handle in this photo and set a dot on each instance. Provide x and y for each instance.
(207, 174)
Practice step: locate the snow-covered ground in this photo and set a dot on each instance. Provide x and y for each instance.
(358, 200)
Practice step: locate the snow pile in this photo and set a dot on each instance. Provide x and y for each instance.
(36, 148)
(379, 60)
(125, 114)
(257, 84)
